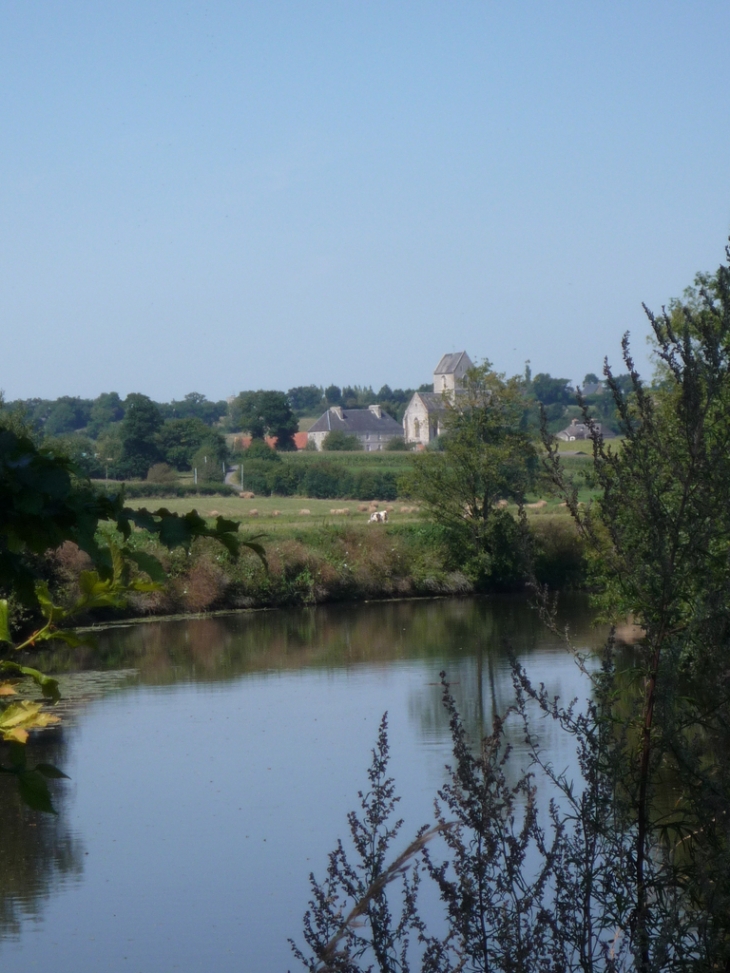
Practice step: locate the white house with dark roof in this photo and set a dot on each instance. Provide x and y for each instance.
(424, 415)
(373, 427)
(579, 430)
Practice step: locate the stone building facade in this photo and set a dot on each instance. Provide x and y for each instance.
(373, 427)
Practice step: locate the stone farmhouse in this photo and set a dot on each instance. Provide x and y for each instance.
(424, 415)
(372, 426)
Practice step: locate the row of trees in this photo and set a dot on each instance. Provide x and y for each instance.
(68, 414)
(124, 439)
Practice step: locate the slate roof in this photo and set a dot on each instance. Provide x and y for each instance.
(449, 363)
(357, 421)
(434, 401)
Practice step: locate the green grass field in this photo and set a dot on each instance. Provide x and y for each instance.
(280, 513)
(287, 513)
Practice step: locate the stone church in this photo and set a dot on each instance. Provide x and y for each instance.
(424, 415)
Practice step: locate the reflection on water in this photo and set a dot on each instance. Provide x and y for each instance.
(222, 647)
(214, 760)
(38, 853)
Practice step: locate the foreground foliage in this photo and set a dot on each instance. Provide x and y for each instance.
(42, 505)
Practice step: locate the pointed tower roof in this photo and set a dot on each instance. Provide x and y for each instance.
(450, 363)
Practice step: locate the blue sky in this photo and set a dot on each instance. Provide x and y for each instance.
(232, 195)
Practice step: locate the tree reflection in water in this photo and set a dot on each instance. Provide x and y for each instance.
(38, 852)
(336, 636)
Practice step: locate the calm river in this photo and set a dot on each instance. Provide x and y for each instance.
(213, 762)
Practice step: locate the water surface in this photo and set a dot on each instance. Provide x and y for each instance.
(213, 762)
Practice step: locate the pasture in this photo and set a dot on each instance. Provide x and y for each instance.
(283, 513)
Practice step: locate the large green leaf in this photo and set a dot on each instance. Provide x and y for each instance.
(48, 686)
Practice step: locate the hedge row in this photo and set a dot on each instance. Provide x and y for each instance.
(161, 490)
(325, 480)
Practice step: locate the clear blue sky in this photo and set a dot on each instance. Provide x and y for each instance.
(231, 195)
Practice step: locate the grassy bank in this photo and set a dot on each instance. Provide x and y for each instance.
(325, 550)
(324, 555)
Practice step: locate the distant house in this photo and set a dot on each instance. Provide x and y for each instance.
(579, 430)
(593, 388)
(424, 416)
(373, 427)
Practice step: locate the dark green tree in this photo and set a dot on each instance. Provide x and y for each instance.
(306, 400)
(333, 395)
(66, 415)
(209, 467)
(82, 451)
(179, 439)
(105, 409)
(140, 450)
(195, 406)
(266, 413)
(487, 457)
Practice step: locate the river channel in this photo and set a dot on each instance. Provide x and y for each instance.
(213, 761)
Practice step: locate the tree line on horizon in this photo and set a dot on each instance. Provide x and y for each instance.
(124, 438)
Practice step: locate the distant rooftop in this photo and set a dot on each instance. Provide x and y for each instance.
(450, 363)
(357, 420)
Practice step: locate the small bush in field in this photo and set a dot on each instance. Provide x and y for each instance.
(161, 473)
(259, 449)
(337, 441)
(398, 445)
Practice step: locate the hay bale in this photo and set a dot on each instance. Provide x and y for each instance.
(362, 507)
(247, 495)
(276, 513)
(253, 513)
(214, 513)
(305, 513)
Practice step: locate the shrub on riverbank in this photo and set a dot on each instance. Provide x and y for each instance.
(337, 562)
